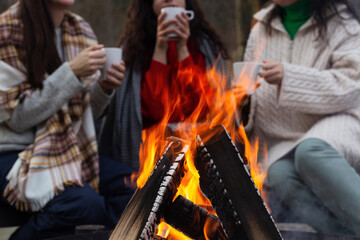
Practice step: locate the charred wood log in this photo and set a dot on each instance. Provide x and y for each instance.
(193, 220)
(225, 180)
(158, 238)
(145, 209)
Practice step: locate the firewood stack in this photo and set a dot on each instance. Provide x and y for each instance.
(224, 179)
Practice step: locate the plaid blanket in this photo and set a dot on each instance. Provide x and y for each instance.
(64, 151)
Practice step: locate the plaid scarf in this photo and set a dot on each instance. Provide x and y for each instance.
(64, 151)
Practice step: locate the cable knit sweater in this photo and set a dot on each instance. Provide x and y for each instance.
(320, 93)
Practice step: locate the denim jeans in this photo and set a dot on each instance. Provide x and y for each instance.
(319, 186)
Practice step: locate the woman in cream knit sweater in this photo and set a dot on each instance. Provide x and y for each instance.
(306, 112)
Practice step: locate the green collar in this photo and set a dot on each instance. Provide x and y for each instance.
(295, 15)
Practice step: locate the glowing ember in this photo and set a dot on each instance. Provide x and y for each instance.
(166, 231)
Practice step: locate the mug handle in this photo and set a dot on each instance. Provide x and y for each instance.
(190, 13)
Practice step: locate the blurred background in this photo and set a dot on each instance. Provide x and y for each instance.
(231, 18)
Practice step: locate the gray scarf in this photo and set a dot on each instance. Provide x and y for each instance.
(120, 137)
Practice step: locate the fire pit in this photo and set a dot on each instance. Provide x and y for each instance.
(224, 178)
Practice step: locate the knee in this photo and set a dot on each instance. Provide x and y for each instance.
(307, 154)
(79, 204)
(279, 175)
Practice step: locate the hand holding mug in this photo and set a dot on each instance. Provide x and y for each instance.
(114, 69)
(115, 76)
(88, 61)
(182, 17)
(183, 33)
(246, 76)
(273, 72)
(163, 30)
(173, 24)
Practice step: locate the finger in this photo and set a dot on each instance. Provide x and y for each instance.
(269, 65)
(183, 19)
(167, 23)
(164, 33)
(118, 67)
(161, 17)
(98, 62)
(273, 79)
(113, 82)
(269, 73)
(95, 47)
(116, 74)
(184, 28)
(180, 34)
(97, 54)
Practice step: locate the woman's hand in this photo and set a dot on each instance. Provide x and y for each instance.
(88, 61)
(163, 30)
(115, 76)
(273, 72)
(183, 33)
(180, 26)
(162, 39)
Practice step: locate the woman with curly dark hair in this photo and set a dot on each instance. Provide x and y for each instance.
(157, 79)
(307, 112)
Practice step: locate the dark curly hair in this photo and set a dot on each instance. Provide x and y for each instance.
(319, 9)
(140, 32)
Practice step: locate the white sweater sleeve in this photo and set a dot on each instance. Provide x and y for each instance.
(58, 88)
(333, 90)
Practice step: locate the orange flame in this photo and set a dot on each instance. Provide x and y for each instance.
(222, 111)
(166, 231)
(251, 154)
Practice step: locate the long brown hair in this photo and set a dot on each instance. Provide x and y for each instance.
(320, 10)
(140, 31)
(41, 55)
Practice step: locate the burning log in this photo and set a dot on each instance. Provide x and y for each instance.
(193, 220)
(145, 209)
(225, 180)
(158, 238)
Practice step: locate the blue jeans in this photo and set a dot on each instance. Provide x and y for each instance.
(76, 205)
(319, 186)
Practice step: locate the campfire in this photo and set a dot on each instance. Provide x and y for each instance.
(192, 178)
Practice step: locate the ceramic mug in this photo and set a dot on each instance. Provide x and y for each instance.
(171, 13)
(113, 55)
(246, 75)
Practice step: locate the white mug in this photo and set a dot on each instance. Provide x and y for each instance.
(246, 75)
(171, 13)
(113, 55)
